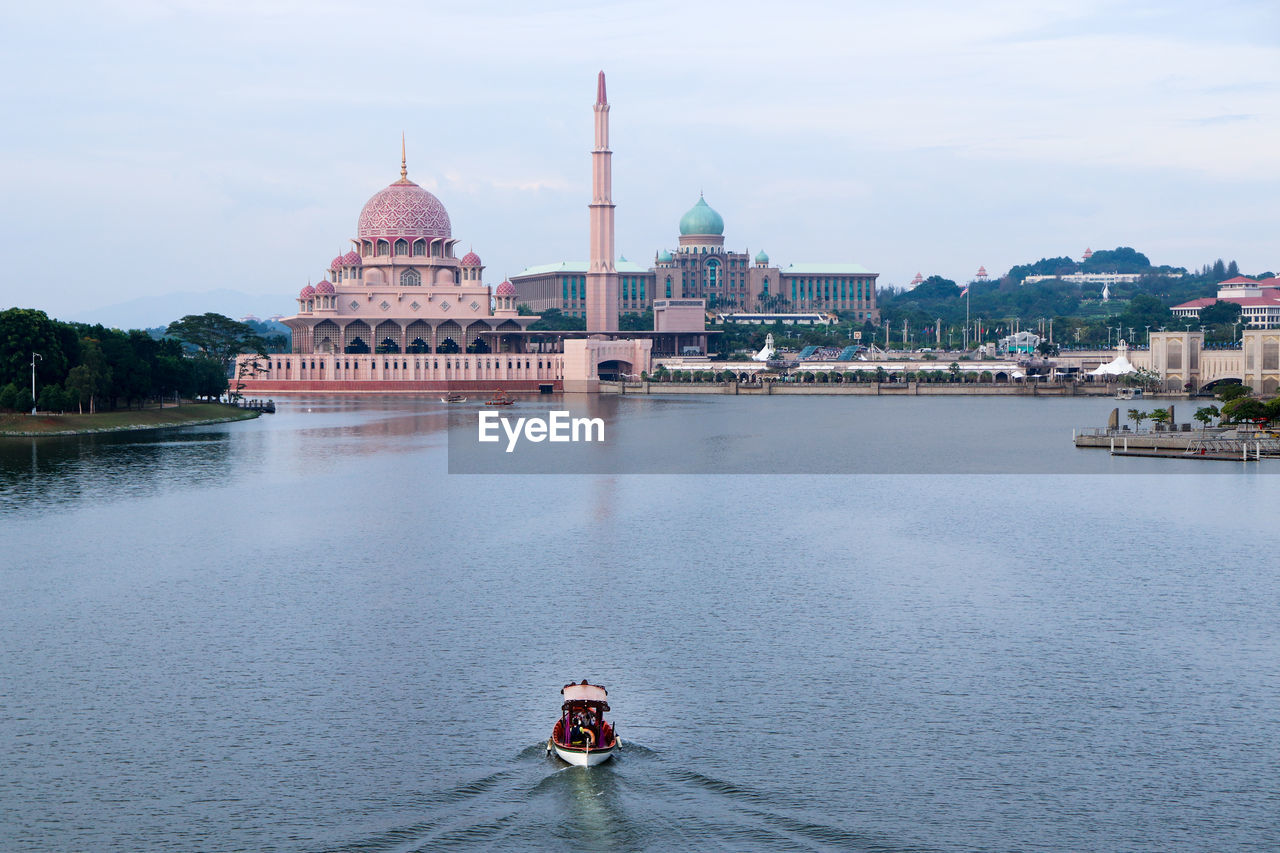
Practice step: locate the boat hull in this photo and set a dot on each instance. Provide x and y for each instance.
(580, 757)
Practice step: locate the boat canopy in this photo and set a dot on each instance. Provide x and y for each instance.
(584, 692)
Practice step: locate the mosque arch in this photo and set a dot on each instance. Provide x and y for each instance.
(476, 342)
(383, 248)
(410, 278)
(444, 275)
(419, 248)
(388, 336)
(326, 336)
(448, 334)
(418, 337)
(1270, 385)
(355, 337)
(402, 246)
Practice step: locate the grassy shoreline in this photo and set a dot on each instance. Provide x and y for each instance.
(188, 414)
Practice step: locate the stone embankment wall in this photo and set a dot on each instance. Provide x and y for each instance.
(872, 389)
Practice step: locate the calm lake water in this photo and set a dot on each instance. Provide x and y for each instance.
(301, 633)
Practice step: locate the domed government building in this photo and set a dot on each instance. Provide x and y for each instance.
(701, 268)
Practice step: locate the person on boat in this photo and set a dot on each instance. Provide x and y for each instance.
(583, 734)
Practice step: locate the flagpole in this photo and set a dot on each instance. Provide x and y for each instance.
(966, 319)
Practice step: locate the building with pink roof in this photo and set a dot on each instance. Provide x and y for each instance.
(1259, 301)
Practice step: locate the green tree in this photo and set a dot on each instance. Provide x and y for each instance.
(24, 331)
(1047, 348)
(1160, 416)
(1204, 415)
(1220, 313)
(555, 320)
(217, 337)
(1234, 391)
(90, 380)
(1243, 409)
(1137, 416)
(208, 378)
(22, 400)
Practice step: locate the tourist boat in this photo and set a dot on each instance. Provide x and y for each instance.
(1129, 394)
(500, 398)
(582, 736)
(453, 398)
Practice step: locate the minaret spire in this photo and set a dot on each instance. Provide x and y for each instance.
(602, 275)
(404, 169)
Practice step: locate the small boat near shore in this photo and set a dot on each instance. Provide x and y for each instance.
(582, 736)
(453, 398)
(500, 398)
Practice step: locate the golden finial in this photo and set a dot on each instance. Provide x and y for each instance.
(404, 169)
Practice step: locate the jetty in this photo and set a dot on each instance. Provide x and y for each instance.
(1244, 443)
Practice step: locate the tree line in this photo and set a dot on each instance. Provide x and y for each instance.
(82, 367)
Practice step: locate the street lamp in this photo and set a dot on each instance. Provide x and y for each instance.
(34, 356)
(1148, 337)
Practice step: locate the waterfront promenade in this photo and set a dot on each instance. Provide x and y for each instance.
(872, 389)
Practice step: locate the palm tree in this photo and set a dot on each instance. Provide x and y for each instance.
(1137, 416)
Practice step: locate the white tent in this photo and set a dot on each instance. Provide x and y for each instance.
(768, 352)
(1119, 367)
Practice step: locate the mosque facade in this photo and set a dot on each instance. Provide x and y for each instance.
(401, 312)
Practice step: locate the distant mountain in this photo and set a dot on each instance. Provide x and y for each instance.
(148, 311)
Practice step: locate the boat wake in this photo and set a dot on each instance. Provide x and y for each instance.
(642, 800)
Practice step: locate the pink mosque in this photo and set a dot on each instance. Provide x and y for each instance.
(401, 312)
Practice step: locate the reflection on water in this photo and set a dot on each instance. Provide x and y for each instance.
(39, 472)
(300, 633)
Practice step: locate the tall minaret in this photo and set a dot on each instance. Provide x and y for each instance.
(602, 277)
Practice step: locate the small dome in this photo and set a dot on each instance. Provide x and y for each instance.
(761, 257)
(701, 219)
(307, 292)
(664, 257)
(325, 286)
(505, 289)
(471, 259)
(336, 263)
(351, 259)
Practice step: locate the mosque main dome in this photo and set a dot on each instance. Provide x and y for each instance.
(403, 209)
(701, 219)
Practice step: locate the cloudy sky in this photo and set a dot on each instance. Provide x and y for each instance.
(154, 147)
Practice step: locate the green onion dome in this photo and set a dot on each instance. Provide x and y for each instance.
(701, 219)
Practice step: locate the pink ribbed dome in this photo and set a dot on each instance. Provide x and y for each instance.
(307, 292)
(351, 259)
(403, 209)
(336, 263)
(471, 259)
(325, 286)
(506, 289)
